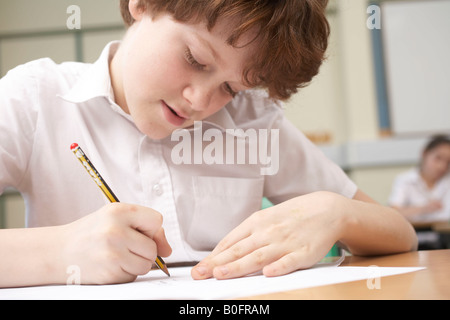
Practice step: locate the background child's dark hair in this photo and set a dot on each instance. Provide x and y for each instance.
(435, 142)
(293, 35)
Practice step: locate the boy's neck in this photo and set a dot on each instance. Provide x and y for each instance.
(115, 71)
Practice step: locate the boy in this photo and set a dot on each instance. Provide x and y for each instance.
(179, 63)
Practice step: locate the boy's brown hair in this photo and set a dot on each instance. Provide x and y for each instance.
(293, 35)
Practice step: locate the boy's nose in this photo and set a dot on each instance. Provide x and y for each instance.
(199, 97)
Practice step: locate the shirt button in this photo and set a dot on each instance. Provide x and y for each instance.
(157, 189)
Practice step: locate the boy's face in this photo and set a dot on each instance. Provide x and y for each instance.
(171, 74)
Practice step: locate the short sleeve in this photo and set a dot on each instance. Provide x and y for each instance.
(303, 168)
(18, 93)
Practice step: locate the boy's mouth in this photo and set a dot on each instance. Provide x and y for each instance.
(173, 111)
(172, 116)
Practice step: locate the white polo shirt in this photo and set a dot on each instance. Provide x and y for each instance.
(409, 189)
(45, 107)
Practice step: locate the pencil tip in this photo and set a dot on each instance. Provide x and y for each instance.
(162, 265)
(166, 272)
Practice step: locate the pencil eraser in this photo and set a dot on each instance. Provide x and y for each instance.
(73, 146)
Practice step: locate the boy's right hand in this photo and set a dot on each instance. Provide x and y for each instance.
(114, 244)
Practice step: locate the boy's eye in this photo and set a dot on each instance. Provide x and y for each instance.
(230, 91)
(191, 60)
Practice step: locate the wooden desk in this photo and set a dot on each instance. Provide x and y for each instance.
(441, 227)
(438, 226)
(430, 283)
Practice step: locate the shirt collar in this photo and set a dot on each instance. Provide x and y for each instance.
(221, 119)
(96, 82)
(242, 110)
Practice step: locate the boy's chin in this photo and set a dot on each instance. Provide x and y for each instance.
(158, 135)
(155, 132)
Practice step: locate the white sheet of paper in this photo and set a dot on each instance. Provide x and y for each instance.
(156, 285)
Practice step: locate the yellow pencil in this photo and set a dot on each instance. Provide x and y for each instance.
(87, 164)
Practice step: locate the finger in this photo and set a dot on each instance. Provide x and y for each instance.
(135, 265)
(205, 268)
(287, 264)
(141, 245)
(143, 219)
(148, 222)
(242, 231)
(253, 262)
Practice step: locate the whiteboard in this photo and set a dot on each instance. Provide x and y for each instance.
(416, 41)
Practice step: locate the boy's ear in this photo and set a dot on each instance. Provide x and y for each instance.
(136, 10)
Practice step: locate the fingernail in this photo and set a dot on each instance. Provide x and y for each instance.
(223, 270)
(200, 270)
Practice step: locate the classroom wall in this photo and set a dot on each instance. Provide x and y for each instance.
(338, 110)
(341, 99)
(33, 29)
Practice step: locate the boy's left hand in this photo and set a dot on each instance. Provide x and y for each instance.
(293, 235)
